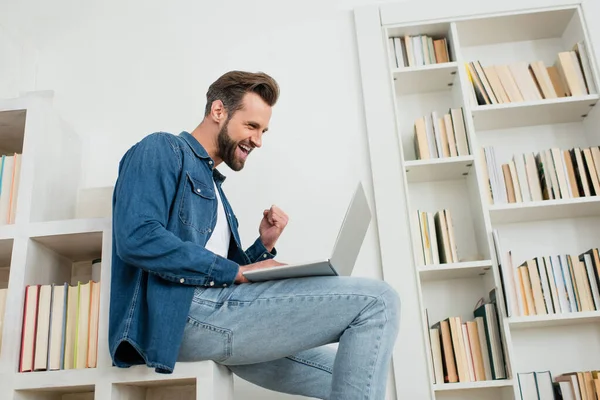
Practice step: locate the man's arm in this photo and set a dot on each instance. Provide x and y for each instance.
(144, 195)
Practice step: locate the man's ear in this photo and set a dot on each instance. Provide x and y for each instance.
(217, 111)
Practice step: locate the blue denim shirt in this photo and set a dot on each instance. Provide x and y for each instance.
(164, 210)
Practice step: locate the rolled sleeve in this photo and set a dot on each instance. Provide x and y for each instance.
(258, 252)
(221, 274)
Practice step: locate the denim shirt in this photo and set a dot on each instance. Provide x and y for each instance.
(164, 210)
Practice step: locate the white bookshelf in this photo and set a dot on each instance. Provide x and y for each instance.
(494, 34)
(47, 244)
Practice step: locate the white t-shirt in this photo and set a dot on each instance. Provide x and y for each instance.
(218, 242)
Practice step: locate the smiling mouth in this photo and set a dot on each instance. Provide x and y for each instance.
(245, 149)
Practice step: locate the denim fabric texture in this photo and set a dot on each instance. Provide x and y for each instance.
(274, 334)
(164, 209)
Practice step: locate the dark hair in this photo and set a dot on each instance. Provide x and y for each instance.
(231, 87)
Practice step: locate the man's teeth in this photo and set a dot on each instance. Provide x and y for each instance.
(245, 148)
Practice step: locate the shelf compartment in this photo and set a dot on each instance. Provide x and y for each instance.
(6, 246)
(72, 393)
(442, 272)
(541, 321)
(437, 169)
(176, 388)
(425, 79)
(545, 210)
(76, 240)
(514, 27)
(529, 113)
(12, 131)
(473, 385)
(67, 259)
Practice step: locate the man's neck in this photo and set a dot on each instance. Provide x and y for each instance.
(207, 138)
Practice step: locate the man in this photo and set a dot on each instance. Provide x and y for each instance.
(178, 291)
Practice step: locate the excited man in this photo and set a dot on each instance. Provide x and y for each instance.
(178, 292)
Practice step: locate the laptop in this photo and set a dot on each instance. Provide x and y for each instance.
(345, 251)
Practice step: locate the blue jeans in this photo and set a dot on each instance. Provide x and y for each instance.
(272, 334)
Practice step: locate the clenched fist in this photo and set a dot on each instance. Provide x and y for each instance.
(272, 225)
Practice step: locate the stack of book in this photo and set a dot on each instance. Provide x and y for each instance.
(437, 238)
(568, 386)
(546, 175)
(414, 51)
(441, 136)
(468, 351)
(551, 284)
(60, 327)
(10, 171)
(522, 81)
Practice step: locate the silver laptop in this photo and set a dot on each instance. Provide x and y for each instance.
(345, 251)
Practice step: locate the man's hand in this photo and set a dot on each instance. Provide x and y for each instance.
(240, 278)
(272, 225)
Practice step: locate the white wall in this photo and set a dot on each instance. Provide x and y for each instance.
(17, 64)
(123, 69)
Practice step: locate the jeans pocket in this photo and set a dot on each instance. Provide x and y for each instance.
(202, 341)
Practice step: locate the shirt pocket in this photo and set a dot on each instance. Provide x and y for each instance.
(198, 205)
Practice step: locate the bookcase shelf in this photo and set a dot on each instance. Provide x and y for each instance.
(529, 113)
(72, 380)
(455, 270)
(438, 169)
(549, 54)
(426, 78)
(545, 210)
(472, 385)
(552, 320)
(7, 231)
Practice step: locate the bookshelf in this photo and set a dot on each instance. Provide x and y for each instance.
(412, 171)
(47, 244)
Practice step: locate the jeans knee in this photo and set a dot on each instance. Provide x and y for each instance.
(392, 303)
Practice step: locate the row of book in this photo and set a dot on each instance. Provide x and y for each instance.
(522, 81)
(419, 50)
(468, 351)
(10, 171)
(60, 327)
(551, 284)
(441, 136)
(3, 295)
(546, 175)
(579, 385)
(436, 237)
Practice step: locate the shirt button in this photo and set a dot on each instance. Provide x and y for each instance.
(209, 230)
(264, 256)
(198, 190)
(224, 285)
(212, 283)
(181, 280)
(210, 162)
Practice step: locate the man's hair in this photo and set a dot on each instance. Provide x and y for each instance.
(231, 87)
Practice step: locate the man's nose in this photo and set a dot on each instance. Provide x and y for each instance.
(257, 140)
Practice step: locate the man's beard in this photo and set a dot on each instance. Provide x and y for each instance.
(226, 150)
